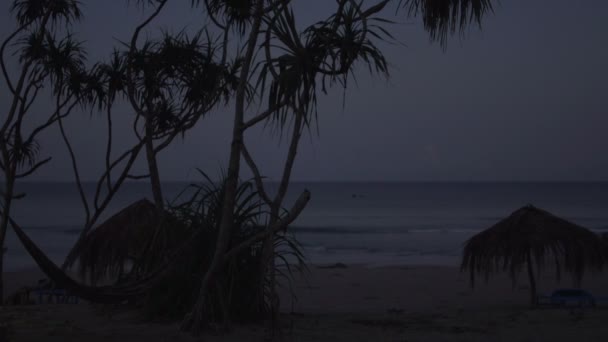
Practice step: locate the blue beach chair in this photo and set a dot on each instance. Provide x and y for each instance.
(47, 293)
(568, 298)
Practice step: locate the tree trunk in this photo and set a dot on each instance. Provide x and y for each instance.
(2, 272)
(275, 210)
(8, 197)
(533, 298)
(153, 169)
(267, 268)
(193, 321)
(3, 226)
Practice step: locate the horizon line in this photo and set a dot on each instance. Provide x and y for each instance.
(348, 181)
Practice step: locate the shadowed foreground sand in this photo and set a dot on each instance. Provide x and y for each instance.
(413, 303)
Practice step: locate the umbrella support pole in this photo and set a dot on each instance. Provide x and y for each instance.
(533, 300)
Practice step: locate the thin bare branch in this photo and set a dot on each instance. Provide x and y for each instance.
(291, 156)
(83, 197)
(138, 177)
(256, 175)
(2, 63)
(263, 116)
(133, 152)
(281, 224)
(109, 146)
(33, 168)
(53, 118)
(132, 48)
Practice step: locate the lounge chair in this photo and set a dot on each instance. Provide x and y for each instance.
(20, 297)
(47, 293)
(568, 298)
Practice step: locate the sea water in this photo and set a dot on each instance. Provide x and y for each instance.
(369, 223)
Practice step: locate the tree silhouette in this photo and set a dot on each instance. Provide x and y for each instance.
(323, 55)
(44, 55)
(170, 84)
(275, 75)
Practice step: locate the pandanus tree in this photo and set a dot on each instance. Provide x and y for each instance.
(169, 83)
(40, 59)
(291, 68)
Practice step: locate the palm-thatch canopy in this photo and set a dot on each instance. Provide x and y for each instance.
(604, 238)
(531, 236)
(121, 238)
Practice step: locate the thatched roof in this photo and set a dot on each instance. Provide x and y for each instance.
(96, 294)
(604, 238)
(122, 237)
(533, 234)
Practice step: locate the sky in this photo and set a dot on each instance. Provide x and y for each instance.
(524, 99)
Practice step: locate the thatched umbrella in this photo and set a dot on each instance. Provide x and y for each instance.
(123, 237)
(533, 236)
(604, 237)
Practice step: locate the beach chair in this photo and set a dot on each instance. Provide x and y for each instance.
(568, 298)
(20, 297)
(47, 293)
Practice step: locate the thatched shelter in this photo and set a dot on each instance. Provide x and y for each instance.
(533, 237)
(106, 250)
(604, 237)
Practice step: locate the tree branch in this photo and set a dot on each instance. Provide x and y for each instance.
(281, 224)
(138, 177)
(33, 168)
(291, 155)
(2, 64)
(264, 115)
(256, 175)
(109, 145)
(275, 5)
(53, 118)
(132, 48)
(83, 197)
(134, 152)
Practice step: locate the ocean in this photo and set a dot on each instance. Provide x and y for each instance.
(369, 223)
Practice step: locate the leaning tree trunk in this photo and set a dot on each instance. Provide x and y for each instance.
(533, 298)
(268, 257)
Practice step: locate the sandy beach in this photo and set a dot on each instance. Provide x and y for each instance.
(349, 303)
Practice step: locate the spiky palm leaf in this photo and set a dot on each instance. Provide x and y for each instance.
(318, 57)
(28, 11)
(60, 60)
(197, 219)
(177, 79)
(237, 13)
(444, 17)
(22, 153)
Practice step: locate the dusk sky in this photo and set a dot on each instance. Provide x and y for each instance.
(524, 99)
